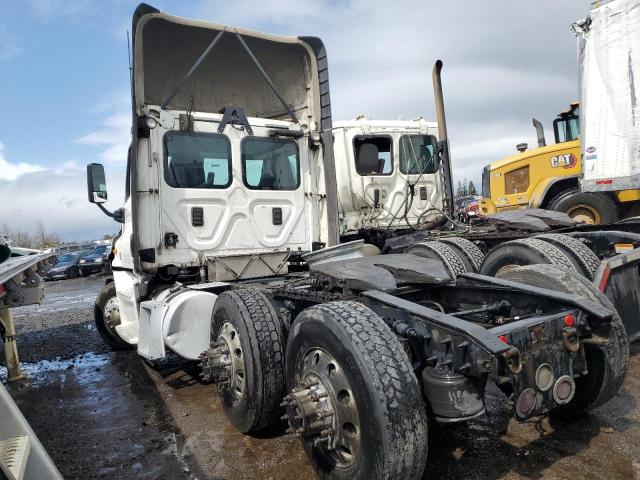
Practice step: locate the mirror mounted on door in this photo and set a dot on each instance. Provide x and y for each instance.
(96, 183)
(97, 190)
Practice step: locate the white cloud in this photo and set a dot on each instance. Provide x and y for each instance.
(9, 47)
(114, 133)
(57, 196)
(11, 171)
(47, 9)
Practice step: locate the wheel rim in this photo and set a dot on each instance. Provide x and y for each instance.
(584, 213)
(112, 313)
(322, 409)
(230, 359)
(506, 268)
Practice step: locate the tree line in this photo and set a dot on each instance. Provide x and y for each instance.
(39, 239)
(465, 188)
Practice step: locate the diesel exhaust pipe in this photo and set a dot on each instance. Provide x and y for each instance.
(443, 144)
(540, 132)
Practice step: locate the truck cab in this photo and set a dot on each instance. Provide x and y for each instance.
(225, 170)
(388, 172)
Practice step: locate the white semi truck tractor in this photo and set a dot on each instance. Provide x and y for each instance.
(232, 252)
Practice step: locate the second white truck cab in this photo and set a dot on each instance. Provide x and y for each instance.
(388, 173)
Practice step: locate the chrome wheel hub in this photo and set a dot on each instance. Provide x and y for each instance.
(224, 363)
(111, 313)
(321, 409)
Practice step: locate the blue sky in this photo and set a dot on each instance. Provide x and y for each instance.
(65, 92)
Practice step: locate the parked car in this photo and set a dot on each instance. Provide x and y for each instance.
(471, 211)
(67, 265)
(96, 261)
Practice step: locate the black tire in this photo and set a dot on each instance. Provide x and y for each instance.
(569, 200)
(262, 342)
(578, 251)
(104, 325)
(467, 249)
(84, 273)
(607, 359)
(72, 272)
(454, 263)
(528, 251)
(386, 392)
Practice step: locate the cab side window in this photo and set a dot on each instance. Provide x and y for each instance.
(373, 155)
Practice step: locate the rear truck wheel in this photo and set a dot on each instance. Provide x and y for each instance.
(246, 359)
(607, 352)
(354, 400)
(467, 249)
(591, 208)
(106, 314)
(581, 254)
(527, 251)
(454, 262)
(72, 272)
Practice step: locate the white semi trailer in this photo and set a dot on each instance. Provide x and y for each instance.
(609, 72)
(236, 199)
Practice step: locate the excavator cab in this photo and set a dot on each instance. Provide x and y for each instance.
(566, 128)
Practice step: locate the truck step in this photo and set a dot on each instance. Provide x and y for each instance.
(128, 332)
(14, 453)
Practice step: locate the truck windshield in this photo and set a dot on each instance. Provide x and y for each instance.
(417, 154)
(270, 164)
(197, 160)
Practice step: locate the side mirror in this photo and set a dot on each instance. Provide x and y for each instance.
(96, 183)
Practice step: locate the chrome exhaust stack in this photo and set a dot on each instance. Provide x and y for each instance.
(540, 133)
(443, 144)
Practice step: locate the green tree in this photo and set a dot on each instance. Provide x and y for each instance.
(472, 189)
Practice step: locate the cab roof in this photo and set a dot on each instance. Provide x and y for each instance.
(363, 122)
(183, 64)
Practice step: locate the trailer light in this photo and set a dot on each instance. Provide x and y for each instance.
(152, 122)
(503, 339)
(569, 320)
(564, 389)
(526, 403)
(544, 377)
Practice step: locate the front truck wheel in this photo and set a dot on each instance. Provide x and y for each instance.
(607, 351)
(354, 399)
(247, 358)
(106, 314)
(587, 207)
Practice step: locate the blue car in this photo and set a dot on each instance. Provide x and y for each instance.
(96, 261)
(67, 266)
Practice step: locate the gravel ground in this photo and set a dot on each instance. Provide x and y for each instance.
(104, 414)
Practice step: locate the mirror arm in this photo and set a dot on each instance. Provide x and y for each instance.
(116, 215)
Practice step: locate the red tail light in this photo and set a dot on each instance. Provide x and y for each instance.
(569, 320)
(503, 339)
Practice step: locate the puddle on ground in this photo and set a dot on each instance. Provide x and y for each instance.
(86, 368)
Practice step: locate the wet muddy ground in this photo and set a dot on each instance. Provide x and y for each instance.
(103, 414)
